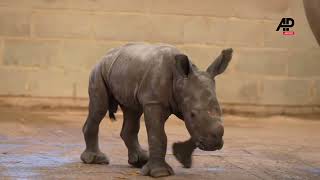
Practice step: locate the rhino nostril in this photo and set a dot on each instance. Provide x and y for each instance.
(201, 139)
(220, 131)
(200, 143)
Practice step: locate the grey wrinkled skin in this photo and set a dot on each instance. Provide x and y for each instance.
(157, 81)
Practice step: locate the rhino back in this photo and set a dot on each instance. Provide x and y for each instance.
(141, 72)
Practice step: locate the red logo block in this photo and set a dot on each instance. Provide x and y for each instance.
(288, 33)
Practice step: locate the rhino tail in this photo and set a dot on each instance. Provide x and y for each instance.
(112, 116)
(112, 103)
(113, 107)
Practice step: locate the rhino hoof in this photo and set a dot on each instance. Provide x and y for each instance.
(157, 169)
(94, 158)
(138, 159)
(182, 154)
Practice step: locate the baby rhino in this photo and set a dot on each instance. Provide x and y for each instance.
(157, 81)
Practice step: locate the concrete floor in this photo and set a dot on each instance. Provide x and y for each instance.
(46, 144)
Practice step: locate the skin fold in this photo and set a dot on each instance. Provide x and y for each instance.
(157, 81)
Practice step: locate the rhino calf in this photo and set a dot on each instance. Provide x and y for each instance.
(157, 81)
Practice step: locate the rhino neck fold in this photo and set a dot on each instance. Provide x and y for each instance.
(176, 100)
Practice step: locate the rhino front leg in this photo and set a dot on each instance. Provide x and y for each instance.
(155, 117)
(183, 152)
(137, 156)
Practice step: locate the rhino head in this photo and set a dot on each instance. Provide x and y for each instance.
(195, 93)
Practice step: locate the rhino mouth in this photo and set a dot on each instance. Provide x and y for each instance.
(209, 146)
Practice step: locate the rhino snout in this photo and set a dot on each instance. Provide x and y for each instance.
(214, 140)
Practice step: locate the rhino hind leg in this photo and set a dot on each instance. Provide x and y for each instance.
(137, 157)
(98, 107)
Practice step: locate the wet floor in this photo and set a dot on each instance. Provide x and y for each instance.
(46, 144)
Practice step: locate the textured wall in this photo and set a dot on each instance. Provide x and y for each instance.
(47, 47)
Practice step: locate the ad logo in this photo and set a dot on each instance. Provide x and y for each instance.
(286, 24)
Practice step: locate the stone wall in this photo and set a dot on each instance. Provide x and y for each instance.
(47, 47)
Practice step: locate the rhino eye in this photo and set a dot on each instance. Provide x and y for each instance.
(193, 114)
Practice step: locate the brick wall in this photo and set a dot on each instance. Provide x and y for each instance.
(47, 47)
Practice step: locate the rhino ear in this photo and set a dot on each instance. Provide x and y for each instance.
(221, 63)
(183, 64)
